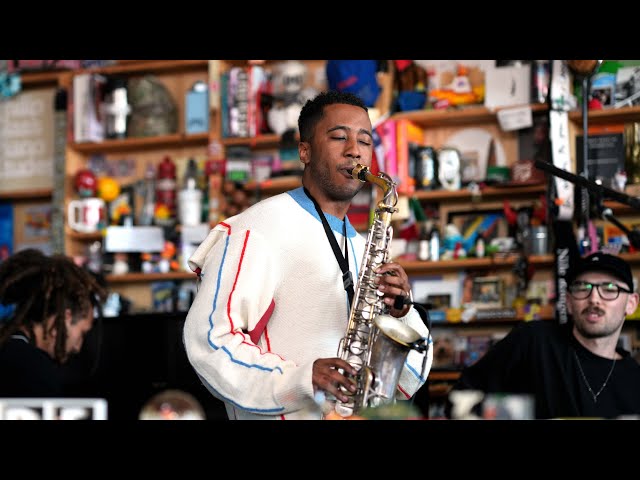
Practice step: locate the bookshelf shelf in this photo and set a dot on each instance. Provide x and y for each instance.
(176, 140)
(461, 116)
(36, 194)
(150, 277)
(416, 267)
(154, 66)
(486, 192)
(608, 115)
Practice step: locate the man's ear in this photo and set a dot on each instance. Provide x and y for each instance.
(569, 307)
(632, 303)
(303, 152)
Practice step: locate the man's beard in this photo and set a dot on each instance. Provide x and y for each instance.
(334, 192)
(591, 334)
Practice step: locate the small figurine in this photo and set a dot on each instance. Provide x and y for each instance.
(120, 263)
(620, 180)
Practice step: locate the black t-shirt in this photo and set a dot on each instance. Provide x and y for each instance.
(539, 358)
(26, 371)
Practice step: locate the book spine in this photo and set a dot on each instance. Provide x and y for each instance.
(407, 133)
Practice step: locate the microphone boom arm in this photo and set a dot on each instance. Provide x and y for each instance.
(601, 193)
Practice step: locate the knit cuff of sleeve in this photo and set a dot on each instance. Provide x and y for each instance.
(295, 389)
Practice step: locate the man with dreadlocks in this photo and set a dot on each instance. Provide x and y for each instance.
(49, 308)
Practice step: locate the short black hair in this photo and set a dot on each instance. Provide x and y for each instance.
(313, 109)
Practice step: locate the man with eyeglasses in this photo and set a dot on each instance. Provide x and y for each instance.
(575, 369)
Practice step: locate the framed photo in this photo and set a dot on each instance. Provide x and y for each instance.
(627, 86)
(440, 301)
(487, 292)
(437, 291)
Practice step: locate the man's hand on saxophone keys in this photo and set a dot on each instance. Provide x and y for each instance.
(393, 282)
(326, 376)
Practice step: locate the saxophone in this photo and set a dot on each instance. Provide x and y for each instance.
(375, 344)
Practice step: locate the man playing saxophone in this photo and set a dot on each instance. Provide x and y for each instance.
(273, 302)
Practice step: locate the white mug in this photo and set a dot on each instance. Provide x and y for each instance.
(87, 215)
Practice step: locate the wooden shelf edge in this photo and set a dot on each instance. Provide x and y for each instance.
(150, 277)
(35, 194)
(486, 192)
(31, 79)
(45, 78)
(83, 237)
(444, 375)
(260, 140)
(465, 115)
(142, 66)
(496, 322)
(275, 185)
(480, 114)
(175, 140)
(608, 115)
(417, 266)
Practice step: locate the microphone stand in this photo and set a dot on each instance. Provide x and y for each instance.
(584, 69)
(600, 193)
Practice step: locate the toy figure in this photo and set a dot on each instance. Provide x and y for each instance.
(410, 85)
(289, 94)
(86, 183)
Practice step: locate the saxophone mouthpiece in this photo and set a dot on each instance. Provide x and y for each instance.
(359, 172)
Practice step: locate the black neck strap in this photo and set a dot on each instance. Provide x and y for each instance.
(343, 261)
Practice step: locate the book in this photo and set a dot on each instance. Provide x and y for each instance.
(605, 154)
(6, 230)
(408, 133)
(387, 161)
(238, 102)
(87, 124)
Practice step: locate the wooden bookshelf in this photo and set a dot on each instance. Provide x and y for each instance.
(150, 277)
(176, 140)
(458, 116)
(35, 194)
(417, 267)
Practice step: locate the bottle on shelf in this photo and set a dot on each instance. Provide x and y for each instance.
(480, 247)
(424, 243)
(148, 193)
(190, 197)
(165, 212)
(434, 243)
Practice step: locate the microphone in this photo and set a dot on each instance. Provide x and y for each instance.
(590, 185)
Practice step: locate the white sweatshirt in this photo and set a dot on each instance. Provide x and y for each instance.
(271, 302)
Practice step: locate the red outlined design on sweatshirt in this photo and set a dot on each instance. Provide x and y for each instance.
(229, 353)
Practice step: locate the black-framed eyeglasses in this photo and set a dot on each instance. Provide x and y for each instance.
(606, 290)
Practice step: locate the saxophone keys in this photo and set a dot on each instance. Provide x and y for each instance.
(356, 348)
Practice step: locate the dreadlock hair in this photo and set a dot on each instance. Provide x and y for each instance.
(312, 110)
(40, 286)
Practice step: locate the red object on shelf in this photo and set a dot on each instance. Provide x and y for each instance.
(166, 191)
(86, 183)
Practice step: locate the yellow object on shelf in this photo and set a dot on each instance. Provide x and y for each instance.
(108, 189)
